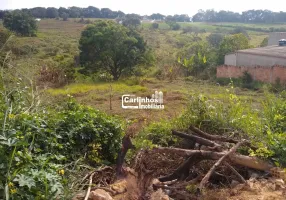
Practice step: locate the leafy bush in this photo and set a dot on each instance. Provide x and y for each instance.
(264, 43)
(65, 16)
(175, 26)
(38, 145)
(20, 22)
(239, 30)
(215, 39)
(85, 130)
(155, 25)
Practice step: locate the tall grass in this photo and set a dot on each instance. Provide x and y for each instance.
(103, 87)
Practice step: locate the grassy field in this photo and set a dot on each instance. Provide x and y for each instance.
(60, 38)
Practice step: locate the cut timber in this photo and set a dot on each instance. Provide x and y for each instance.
(217, 164)
(198, 139)
(251, 162)
(212, 137)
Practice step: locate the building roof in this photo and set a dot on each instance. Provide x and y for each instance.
(271, 51)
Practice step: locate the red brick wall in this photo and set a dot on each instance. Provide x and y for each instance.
(259, 73)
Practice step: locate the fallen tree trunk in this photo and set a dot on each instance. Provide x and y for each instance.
(198, 139)
(247, 161)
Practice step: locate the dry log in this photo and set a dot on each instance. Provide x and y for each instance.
(199, 140)
(126, 145)
(241, 179)
(89, 187)
(217, 164)
(212, 137)
(251, 162)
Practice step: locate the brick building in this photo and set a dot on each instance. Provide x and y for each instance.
(266, 64)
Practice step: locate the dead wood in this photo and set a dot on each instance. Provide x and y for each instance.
(247, 161)
(217, 164)
(126, 145)
(199, 140)
(182, 172)
(241, 179)
(212, 137)
(89, 187)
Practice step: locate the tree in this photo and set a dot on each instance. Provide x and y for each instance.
(231, 44)
(75, 12)
(62, 10)
(155, 25)
(110, 47)
(215, 39)
(264, 43)
(20, 22)
(173, 25)
(65, 16)
(52, 12)
(39, 12)
(91, 11)
(2, 13)
(157, 16)
(196, 57)
(107, 13)
(131, 20)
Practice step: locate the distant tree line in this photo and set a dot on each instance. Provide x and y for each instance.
(250, 16)
(91, 12)
(72, 12)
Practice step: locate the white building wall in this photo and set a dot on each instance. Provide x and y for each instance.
(230, 59)
(275, 37)
(244, 59)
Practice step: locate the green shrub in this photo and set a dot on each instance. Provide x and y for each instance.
(175, 26)
(38, 145)
(155, 25)
(20, 22)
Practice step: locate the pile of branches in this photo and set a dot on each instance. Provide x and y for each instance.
(222, 151)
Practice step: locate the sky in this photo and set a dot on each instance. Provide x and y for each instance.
(142, 7)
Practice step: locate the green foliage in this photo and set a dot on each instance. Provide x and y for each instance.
(265, 128)
(231, 44)
(20, 22)
(4, 36)
(155, 25)
(247, 80)
(238, 30)
(112, 48)
(196, 57)
(65, 16)
(215, 39)
(38, 144)
(264, 43)
(82, 129)
(193, 29)
(174, 25)
(160, 133)
(131, 21)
